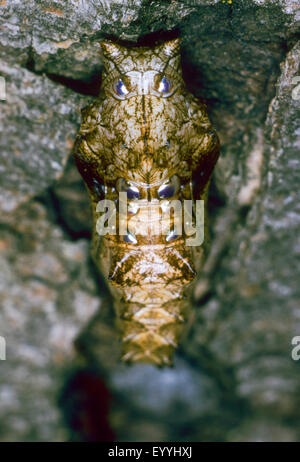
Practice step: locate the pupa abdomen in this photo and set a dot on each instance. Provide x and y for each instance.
(146, 149)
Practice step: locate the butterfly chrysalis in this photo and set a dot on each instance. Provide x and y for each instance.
(146, 151)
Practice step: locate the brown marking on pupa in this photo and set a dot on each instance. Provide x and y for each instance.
(146, 133)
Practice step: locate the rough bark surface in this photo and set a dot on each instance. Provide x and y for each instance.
(234, 378)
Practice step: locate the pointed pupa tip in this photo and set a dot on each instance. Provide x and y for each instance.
(171, 47)
(110, 49)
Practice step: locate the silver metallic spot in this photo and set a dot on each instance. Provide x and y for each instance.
(133, 208)
(170, 188)
(130, 238)
(121, 88)
(124, 186)
(164, 85)
(99, 189)
(133, 192)
(171, 236)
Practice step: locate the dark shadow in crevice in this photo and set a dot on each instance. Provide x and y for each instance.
(215, 201)
(52, 204)
(90, 87)
(85, 401)
(151, 39)
(225, 378)
(30, 64)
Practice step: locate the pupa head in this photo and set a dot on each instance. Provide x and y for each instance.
(131, 71)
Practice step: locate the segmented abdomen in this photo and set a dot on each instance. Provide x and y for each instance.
(149, 285)
(151, 331)
(148, 137)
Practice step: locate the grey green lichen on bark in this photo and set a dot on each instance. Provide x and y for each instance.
(234, 375)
